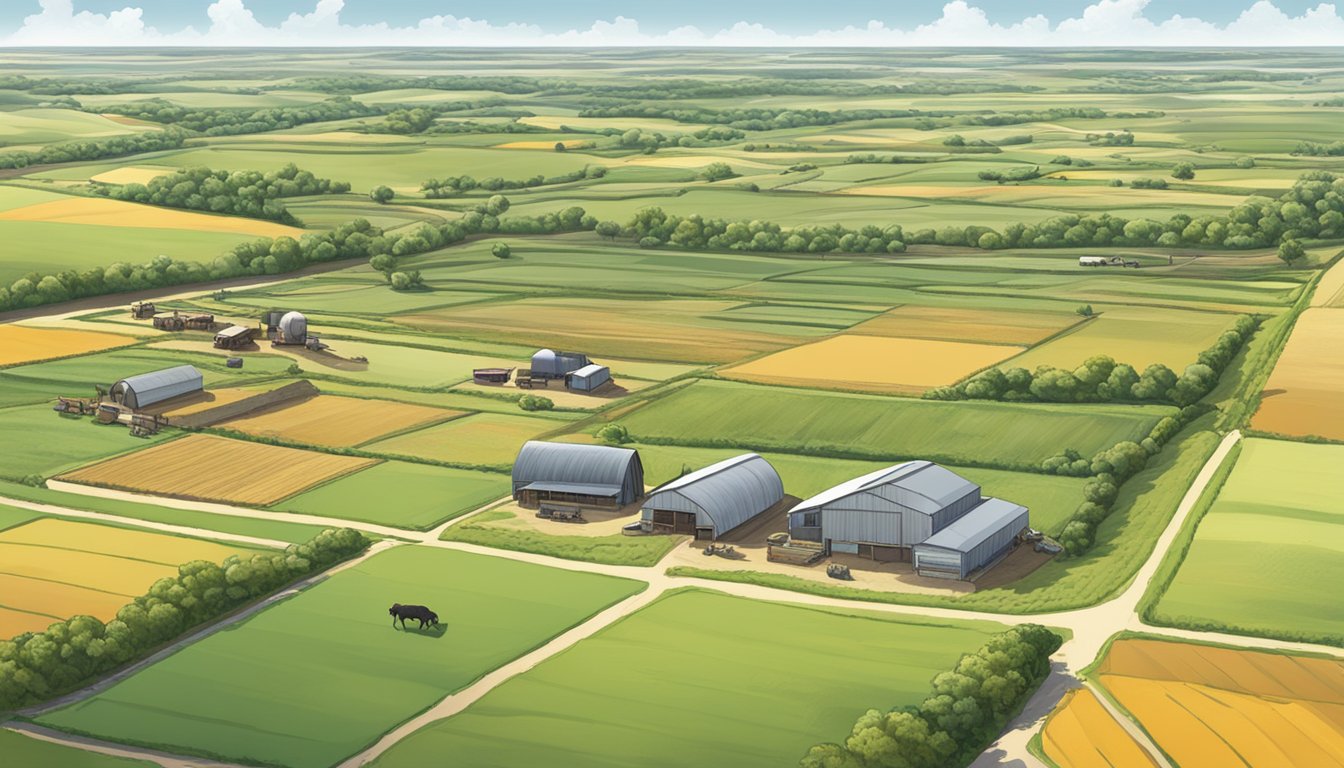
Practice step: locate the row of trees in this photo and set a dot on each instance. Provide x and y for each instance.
(116, 146)
(650, 141)
(1100, 379)
(36, 666)
(455, 186)
(1315, 149)
(653, 227)
(240, 193)
(966, 709)
(230, 121)
(1020, 173)
(769, 119)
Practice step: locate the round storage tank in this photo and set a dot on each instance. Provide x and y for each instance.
(294, 328)
(543, 361)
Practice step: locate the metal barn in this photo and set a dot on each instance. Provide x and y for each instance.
(714, 500)
(136, 392)
(977, 539)
(549, 364)
(883, 514)
(580, 475)
(588, 378)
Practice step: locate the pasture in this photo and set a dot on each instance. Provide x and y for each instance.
(482, 439)
(872, 364)
(1133, 335)
(401, 494)
(67, 442)
(103, 212)
(329, 420)
(53, 569)
(281, 681)
(986, 326)
(210, 468)
(1220, 706)
(25, 344)
(576, 708)
(25, 750)
(1304, 396)
(1080, 733)
(1267, 555)
(712, 413)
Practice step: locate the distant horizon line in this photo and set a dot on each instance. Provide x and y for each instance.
(658, 46)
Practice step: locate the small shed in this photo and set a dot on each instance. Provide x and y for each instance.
(549, 364)
(136, 392)
(1092, 261)
(588, 378)
(234, 336)
(573, 473)
(976, 540)
(712, 501)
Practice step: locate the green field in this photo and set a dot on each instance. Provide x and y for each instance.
(1266, 557)
(318, 677)
(401, 494)
(67, 442)
(741, 682)
(614, 549)
(20, 750)
(853, 426)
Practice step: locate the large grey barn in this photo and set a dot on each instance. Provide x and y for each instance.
(712, 501)
(549, 364)
(885, 514)
(583, 475)
(136, 392)
(973, 540)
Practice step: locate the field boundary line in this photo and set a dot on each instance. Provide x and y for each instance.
(103, 684)
(111, 749)
(1135, 731)
(184, 530)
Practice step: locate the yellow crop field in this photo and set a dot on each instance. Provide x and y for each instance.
(569, 144)
(1082, 734)
(965, 324)
(118, 213)
(1209, 706)
(1330, 290)
(1139, 336)
(1305, 392)
(131, 174)
(52, 569)
(872, 363)
(21, 344)
(218, 469)
(337, 421)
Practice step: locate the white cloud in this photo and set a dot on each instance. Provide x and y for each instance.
(1104, 23)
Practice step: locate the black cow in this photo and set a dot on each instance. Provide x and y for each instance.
(420, 613)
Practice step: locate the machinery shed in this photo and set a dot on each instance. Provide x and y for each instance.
(588, 378)
(712, 501)
(549, 364)
(974, 541)
(882, 514)
(136, 392)
(581, 475)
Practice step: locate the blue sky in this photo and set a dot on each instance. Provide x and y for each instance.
(686, 22)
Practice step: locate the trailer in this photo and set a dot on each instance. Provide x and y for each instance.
(143, 310)
(234, 337)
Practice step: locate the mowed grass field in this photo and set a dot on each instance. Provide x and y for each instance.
(24, 750)
(65, 443)
(24, 344)
(336, 421)
(316, 678)
(401, 494)
(868, 426)
(483, 439)
(989, 326)
(1080, 733)
(872, 364)
(213, 468)
(1269, 554)
(1304, 395)
(737, 681)
(54, 569)
(1224, 707)
(1139, 336)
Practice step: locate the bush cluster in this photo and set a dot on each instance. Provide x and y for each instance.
(117, 146)
(37, 666)
(240, 193)
(965, 711)
(652, 227)
(535, 403)
(614, 434)
(1147, 183)
(455, 186)
(1021, 173)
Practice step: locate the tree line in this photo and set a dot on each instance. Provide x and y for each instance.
(239, 193)
(456, 186)
(232, 121)
(965, 710)
(36, 666)
(97, 149)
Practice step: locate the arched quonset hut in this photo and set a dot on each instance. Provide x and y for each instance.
(293, 328)
(570, 473)
(712, 501)
(136, 392)
(549, 364)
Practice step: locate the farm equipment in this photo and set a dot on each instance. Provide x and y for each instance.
(1048, 547)
(723, 550)
(143, 425)
(234, 362)
(143, 310)
(526, 380)
(234, 337)
(838, 571)
(74, 406)
(561, 514)
(1103, 261)
(108, 414)
(491, 375)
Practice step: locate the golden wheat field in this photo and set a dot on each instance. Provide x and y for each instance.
(214, 468)
(1222, 707)
(965, 324)
(1305, 392)
(53, 569)
(1330, 290)
(872, 364)
(337, 421)
(131, 174)
(118, 213)
(568, 143)
(1082, 734)
(21, 344)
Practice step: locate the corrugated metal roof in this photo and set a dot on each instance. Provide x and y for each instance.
(976, 526)
(729, 492)
(575, 488)
(540, 461)
(939, 485)
(157, 386)
(591, 369)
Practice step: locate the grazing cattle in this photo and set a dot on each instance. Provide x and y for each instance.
(420, 613)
